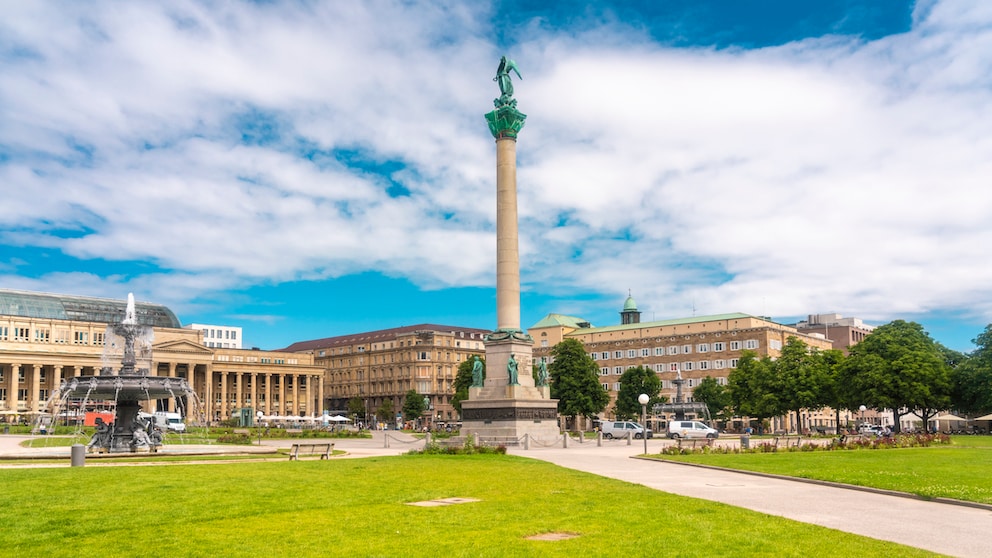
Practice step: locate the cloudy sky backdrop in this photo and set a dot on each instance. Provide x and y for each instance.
(309, 169)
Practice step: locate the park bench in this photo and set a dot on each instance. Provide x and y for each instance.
(788, 441)
(695, 442)
(244, 431)
(324, 449)
(293, 431)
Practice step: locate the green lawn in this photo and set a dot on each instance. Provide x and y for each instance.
(357, 507)
(958, 471)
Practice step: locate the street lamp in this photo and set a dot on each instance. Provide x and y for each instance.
(643, 400)
(258, 426)
(862, 409)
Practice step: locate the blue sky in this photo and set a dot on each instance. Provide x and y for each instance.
(307, 170)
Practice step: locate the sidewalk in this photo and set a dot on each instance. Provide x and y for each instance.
(944, 528)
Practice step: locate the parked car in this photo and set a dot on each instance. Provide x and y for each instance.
(691, 429)
(621, 429)
(873, 430)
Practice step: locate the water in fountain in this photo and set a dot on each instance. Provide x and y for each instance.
(127, 387)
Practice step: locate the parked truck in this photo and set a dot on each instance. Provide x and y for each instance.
(169, 421)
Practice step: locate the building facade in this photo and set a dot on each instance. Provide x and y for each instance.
(687, 348)
(384, 365)
(40, 346)
(840, 331)
(222, 337)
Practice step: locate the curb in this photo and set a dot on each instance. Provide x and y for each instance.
(831, 484)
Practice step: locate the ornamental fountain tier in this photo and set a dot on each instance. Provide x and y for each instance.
(128, 388)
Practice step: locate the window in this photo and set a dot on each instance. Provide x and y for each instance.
(718, 364)
(775, 344)
(659, 351)
(733, 363)
(691, 382)
(704, 365)
(20, 334)
(606, 355)
(604, 371)
(234, 334)
(618, 370)
(645, 352)
(3, 333)
(81, 338)
(718, 346)
(673, 350)
(422, 355)
(631, 353)
(42, 336)
(751, 344)
(673, 367)
(735, 345)
(606, 387)
(659, 367)
(544, 342)
(617, 354)
(703, 348)
(686, 349)
(616, 386)
(687, 366)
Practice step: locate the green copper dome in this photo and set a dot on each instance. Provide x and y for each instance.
(630, 305)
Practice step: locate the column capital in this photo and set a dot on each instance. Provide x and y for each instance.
(505, 122)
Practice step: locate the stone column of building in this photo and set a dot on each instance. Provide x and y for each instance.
(208, 391)
(296, 394)
(268, 394)
(253, 393)
(172, 374)
(12, 386)
(223, 396)
(35, 394)
(320, 393)
(77, 371)
(239, 390)
(282, 395)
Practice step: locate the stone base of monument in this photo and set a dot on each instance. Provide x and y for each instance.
(501, 412)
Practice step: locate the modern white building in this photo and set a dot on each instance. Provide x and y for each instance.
(217, 336)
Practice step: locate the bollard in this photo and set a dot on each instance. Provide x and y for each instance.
(78, 455)
(564, 440)
(385, 439)
(582, 436)
(526, 441)
(427, 439)
(630, 438)
(599, 439)
(745, 442)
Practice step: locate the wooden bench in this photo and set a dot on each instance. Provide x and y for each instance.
(324, 450)
(789, 441)
(693, 442)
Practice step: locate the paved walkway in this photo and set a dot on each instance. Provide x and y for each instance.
(944, 528)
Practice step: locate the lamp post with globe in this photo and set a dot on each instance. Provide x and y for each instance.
(643, 400)
(258, 425)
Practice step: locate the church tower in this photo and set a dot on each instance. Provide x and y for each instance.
(629, 314)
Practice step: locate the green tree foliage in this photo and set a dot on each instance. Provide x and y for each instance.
(899, 367)
(715, 395)
(750, 386)
(463, 381)
(356, 406)
(836, 393)
(633, 383)
(800, 378)
(413, 405)
(972, 378)
(574, 381)
(385, 411)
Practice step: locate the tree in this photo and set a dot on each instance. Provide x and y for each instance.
(800, 377)
(633, 383)
(575, 381)
(356, 407)
(971, 380)
(385, 410)
(899, 367)
(715, 395)
(463, 381)
(413, 405)
(750, 388)
(836, 393)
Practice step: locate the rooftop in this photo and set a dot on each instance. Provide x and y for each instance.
(28, 304)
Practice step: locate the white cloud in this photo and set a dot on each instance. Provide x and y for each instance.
(827, 173)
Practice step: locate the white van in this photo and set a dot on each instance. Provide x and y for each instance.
(691, 429)
(169, 421)
(621, 429)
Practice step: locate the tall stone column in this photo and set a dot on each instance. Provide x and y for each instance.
(508, 404)
(35, 394)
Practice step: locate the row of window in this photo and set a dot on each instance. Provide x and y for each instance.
(672, 350)
(42, 335)
(668, 384)
(687, 366)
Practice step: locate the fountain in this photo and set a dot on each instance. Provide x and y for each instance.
(129, 387)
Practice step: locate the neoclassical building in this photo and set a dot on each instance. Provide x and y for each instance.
(694, 347)
(47, 338)
(382, 365)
